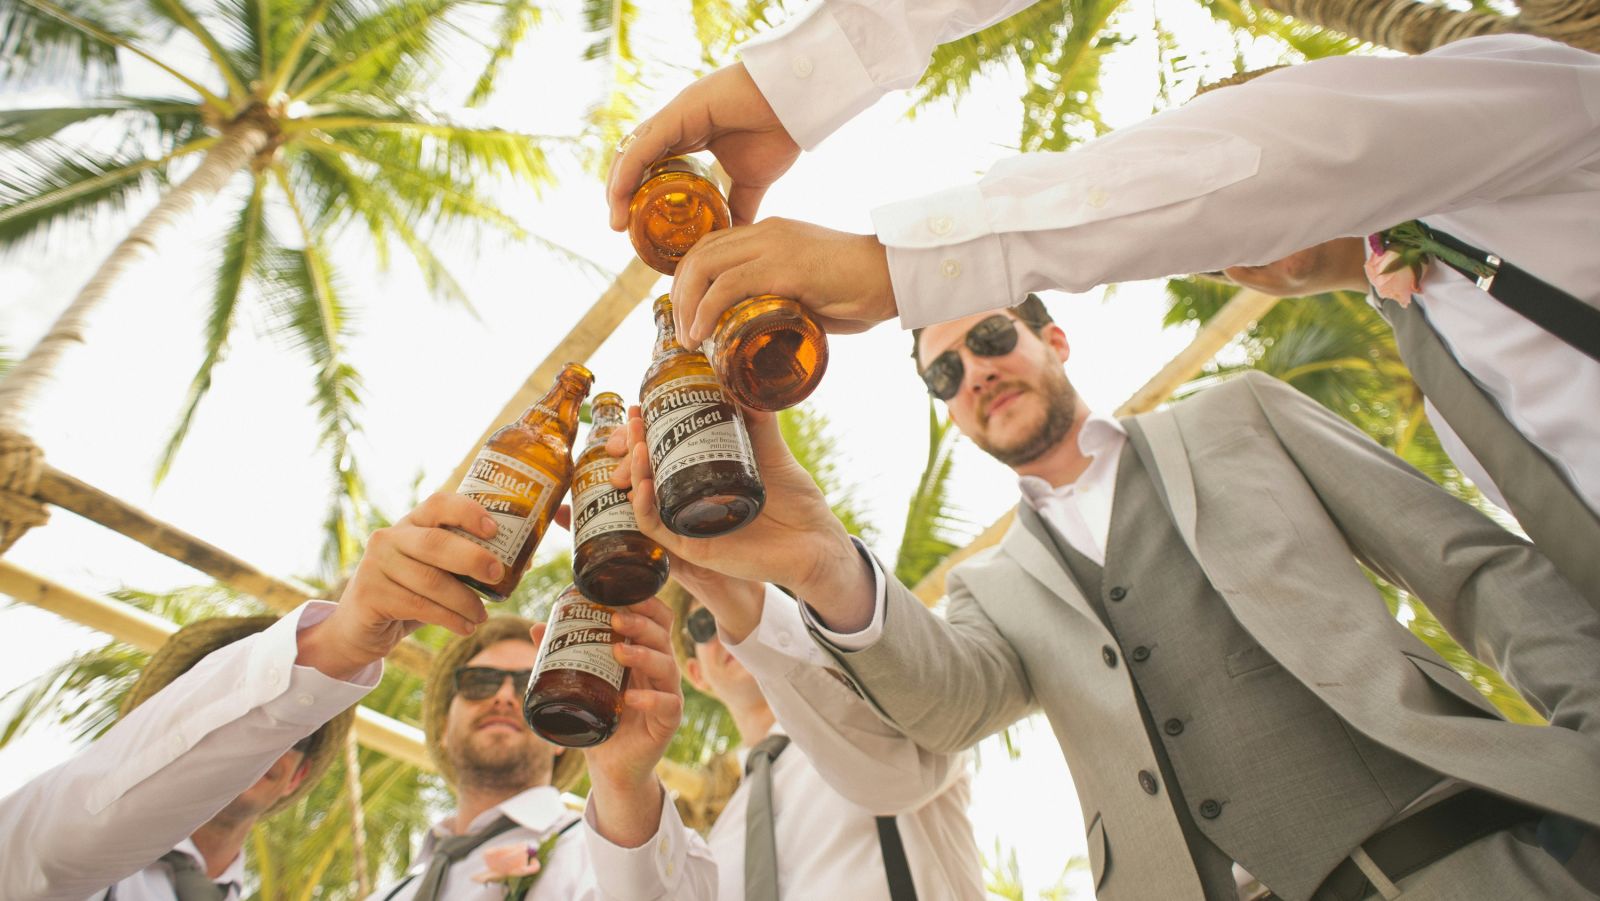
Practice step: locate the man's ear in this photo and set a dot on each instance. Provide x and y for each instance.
(1056, 338)
(691, 671)
(301, 771)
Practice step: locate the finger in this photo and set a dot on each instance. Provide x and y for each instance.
(645, 512)
(652, 669)
(563, 517)
(645, 631)
(699, 268)
(665, 706)
(446, 508)
(744, 200)
(435, 586)
(766, 437)
(447, 551)
(402, 603)
(659, 136)
(655, 609)
(734, 285)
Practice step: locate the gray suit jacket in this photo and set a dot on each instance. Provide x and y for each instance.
(1278, 499)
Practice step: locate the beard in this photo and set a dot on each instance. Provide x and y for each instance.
(1061, 409)
(490, 762)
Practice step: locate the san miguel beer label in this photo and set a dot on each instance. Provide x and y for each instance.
(690, 420)
(514, 493)
(601, 509)
(579, 638)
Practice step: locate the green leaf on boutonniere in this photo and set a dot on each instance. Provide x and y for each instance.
(518, 887)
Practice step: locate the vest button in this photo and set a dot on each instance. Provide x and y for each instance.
(1117, 593)
(1109, 655)
(1147, 781)
(1210, 809)
(1173, 727)
(1140, 654)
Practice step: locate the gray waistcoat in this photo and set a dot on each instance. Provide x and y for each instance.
(1265, 773)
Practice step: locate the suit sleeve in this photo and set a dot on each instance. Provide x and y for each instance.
(864, 759)
(1494, 592)
(944, 683)
(169, 766)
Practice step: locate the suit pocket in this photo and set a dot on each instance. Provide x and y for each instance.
(1099, 851)
(1253, 658)
(1451, 681)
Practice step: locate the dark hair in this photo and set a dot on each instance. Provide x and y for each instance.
(1031, 312)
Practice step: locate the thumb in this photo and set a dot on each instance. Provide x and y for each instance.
(766, 438)
(743, 202)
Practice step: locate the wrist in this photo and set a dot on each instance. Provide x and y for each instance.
(322, 647)
(842, 589)
(627, 814)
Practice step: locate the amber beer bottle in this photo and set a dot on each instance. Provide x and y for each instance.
(705, 472)
(612, 561)
(575, 697)
(768, 352)
(521, 475)
(676, 205)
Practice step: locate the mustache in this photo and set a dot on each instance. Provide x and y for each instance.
(998, 390)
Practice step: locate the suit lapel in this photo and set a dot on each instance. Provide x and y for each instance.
(1160, 445)
(1031, 546)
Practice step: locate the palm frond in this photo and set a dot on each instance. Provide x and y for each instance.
(167, 122)
(387, 44)
(933, 529)
(181, 17)
(36, 46)
(517, 18)
(805, 430)
(611, 22)
(47, 185)
(242, 246)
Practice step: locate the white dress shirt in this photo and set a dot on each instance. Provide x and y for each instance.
(583, 865)
(154, 883)
(167, 768)
(1495, 140)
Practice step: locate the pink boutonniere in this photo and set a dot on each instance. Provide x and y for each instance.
(516, 867)
(1401, 256)
(1390, 277)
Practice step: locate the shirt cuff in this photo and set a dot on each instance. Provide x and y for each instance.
(779, 640)
(293, 693)
(869, 635)
(810, 73)
(648, 871)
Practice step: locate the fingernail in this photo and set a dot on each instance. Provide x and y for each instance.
(496, 571)
(490, 526)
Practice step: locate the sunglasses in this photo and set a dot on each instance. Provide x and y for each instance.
(479, 683)
(995, 336)
(701, 626)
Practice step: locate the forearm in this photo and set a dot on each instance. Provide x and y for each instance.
(1202, 187)
(626, 813)
(842, 590)
(672, 862)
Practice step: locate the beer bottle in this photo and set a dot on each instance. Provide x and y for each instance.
(705, 471)
(768, 352)
(522, 473)
(612, 562)
(676, 205)
(575, 696)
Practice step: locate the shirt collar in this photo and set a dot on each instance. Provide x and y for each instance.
(1101, 437)
(538, 810)
(232, 876)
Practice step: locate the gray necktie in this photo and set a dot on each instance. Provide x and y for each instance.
(449, 850)
(189, 881)
(760, 846)
(1548, 508)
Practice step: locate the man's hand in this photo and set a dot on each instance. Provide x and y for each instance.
(843, 279)
(736, 603)
(724, 113)
(405, 579)
(795, 542)
(627, 797)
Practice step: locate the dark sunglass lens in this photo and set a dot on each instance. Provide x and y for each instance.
(993, 337)
(475, 684)
(702, 625)
(519, 681)
(943, 376)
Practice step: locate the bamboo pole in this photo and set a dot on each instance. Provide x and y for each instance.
(630, 287)
(68, 493)
(1245, 308)
(147, 632)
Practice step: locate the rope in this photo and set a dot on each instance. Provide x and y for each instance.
(21, 464)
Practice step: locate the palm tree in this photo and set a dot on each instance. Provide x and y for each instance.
(302, 114)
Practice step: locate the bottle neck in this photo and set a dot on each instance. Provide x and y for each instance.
(667, 336)
(560, 404)
(606, 421)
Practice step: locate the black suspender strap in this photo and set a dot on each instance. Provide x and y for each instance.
(1540, 302)
(410, 876)
(895, 866)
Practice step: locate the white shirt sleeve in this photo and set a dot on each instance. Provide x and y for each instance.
(835, 58)
(869, 634)
(674, 864)
(864, 759)
(169, 766)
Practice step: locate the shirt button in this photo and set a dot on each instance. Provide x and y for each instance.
(950, 269)
(940, 225)
(783, 640)
(1097, 198)
(1147, 781)
(175, 744)
(802, 67)
(1210, 809)
(305, 700)
(1109, 655)
(1140, 654)
(1118, 593)
(275, 675)
(1173, 727)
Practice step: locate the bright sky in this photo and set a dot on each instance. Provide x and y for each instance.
(251, 481)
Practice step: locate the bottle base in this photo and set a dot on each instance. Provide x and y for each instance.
(569, 725)
(487, 592)
(716, 514)
(620, 584)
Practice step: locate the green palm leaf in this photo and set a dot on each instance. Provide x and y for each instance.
(805, 430)
(38, 47)
(933, 530)
(517, 18)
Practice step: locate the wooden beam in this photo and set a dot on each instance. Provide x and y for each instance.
(1237, 315)
(68, 493)
(631, 286)
(147, 632)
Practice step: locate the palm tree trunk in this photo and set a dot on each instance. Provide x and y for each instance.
(1405, 25)
(242, 140)
(358, 815)
(1575, 21)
